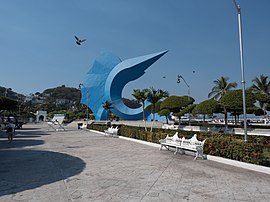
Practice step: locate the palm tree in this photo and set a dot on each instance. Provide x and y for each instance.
(107, 105)
(222, 86)
(141, 97)
(261, 87)
(154, 96)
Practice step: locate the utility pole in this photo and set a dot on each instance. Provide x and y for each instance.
(238, 9)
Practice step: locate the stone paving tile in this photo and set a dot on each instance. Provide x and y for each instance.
(82, 166)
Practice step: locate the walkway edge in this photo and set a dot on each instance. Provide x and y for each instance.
(218, 159)
(240, 164)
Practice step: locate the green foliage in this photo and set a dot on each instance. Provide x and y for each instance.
(255, 110)
(221, 87)
(154, 95)
(81, 115)
(51, 114)
(98, 127)
(69, 115)
(261, 85)
(140, 95)
(231, 148)
(176, 103)
(107, 105)
(164, 112)
(262, 97)
(184, 111)
(233, 100)
(267, 107)
(62, 92)
(206, 107)
(153, 108)
(7, 103)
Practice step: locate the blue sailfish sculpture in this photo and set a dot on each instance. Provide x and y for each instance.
(106, 80)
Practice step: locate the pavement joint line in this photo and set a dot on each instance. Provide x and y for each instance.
(248, 166)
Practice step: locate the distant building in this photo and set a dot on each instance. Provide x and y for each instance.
(41, 116)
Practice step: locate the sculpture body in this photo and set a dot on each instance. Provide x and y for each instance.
(106, 80)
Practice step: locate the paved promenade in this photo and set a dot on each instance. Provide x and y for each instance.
(82, 166)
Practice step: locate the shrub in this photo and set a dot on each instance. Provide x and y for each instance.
(217, 144)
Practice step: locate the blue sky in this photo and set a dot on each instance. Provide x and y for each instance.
(38, 49)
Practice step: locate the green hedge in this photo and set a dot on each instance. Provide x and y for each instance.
(256, 150)
(232, 148)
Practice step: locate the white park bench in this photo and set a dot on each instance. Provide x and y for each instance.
(112, 131)
(57, 122)
(169, 126)
(182, 144)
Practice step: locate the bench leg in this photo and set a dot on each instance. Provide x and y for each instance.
(160, 147)
(199, 153)
(163, 146)
(196, 155)
(176, 150)
(182, 151)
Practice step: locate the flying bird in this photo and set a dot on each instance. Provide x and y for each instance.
(79, 41)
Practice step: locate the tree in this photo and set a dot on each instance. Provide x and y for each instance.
(232, 101)
(141, 97)
(185, 110)
(261, 89)
(164, 112)
(7, 103)
(222, 86)
(153, 96)
(257, 111)
(206, 107)
(261, 85)
(107, 105)
(178, 105)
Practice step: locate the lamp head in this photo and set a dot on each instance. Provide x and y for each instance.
(237, 6)
(178, 79)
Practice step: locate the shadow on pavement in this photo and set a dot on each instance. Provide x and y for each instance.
(18, 143)
(22, 170)
(30, 132)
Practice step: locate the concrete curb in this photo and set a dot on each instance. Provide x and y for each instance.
(239, 164)
(244, 165)
(140, 141)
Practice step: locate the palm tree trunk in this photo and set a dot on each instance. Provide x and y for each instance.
(144, 118)
(225, 118)
(264, 111)
(153, 115)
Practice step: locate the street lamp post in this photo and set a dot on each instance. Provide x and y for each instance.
(178, 81)
(238, 9)
(87, 112)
